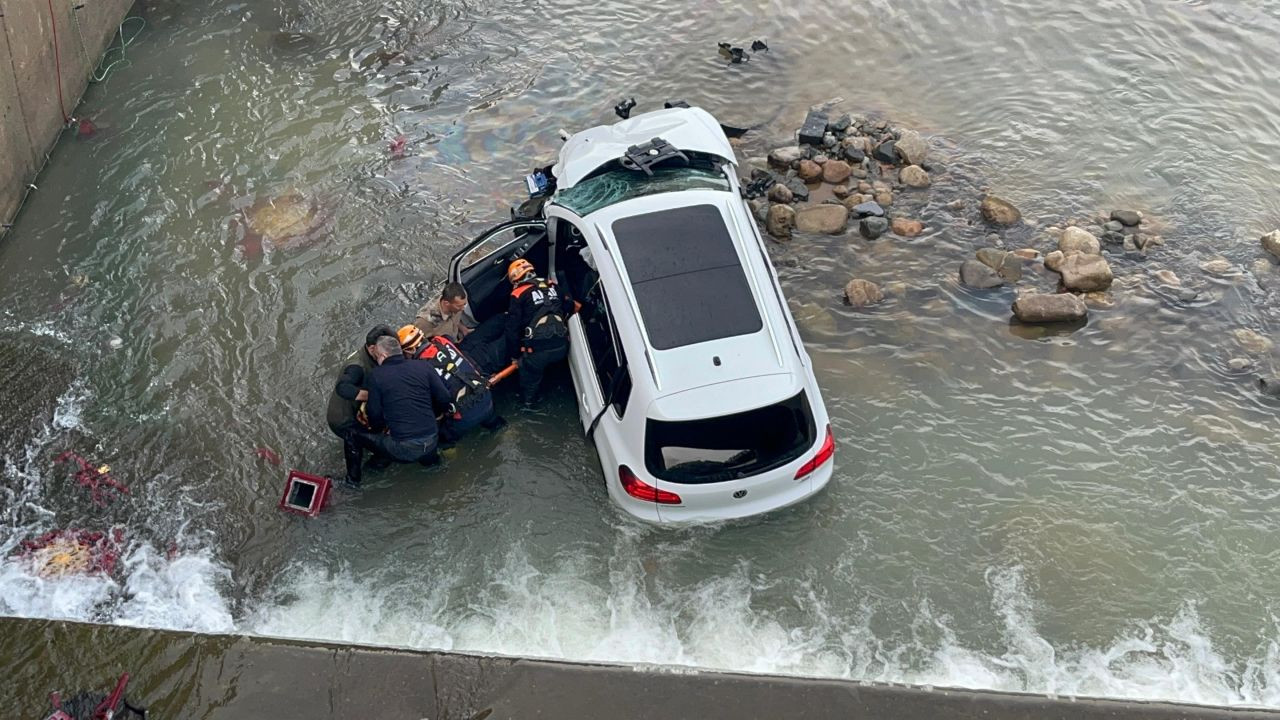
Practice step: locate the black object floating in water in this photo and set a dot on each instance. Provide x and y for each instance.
(732, 54)
(758, 45)
(623, 109)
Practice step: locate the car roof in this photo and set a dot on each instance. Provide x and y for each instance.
(689, 129)
(723, 343)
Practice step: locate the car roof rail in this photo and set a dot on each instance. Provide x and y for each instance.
(649, 155)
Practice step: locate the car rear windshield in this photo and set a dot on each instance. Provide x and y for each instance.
(729, 447)
(619, 184)
(688, 281)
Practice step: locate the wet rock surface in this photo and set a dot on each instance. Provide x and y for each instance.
(861, 293)
(1044, 308)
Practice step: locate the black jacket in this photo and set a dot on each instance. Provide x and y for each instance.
(405, 398)
(341, 414)
(530, 301)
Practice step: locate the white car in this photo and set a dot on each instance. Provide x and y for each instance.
(692, 380)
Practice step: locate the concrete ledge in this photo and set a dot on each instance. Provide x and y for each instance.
(223, 677)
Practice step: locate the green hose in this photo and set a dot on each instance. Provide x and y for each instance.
(103, 68)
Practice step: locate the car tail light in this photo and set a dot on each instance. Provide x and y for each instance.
(642, 490)
(825, 453)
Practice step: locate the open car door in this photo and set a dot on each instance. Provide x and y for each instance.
(481, 266)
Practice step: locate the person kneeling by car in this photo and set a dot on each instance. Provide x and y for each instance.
(536, 334)
(404, 397)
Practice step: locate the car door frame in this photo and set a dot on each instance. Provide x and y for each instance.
(495, 257)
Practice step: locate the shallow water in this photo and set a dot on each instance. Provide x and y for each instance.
(1083, 513)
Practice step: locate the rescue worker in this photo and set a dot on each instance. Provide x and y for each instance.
(536, 335)
(410, 340)
(468, 387)
(348, 394)
(445, 316)
(404, 398)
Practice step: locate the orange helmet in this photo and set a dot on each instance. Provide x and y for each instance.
(518, 269)
(410, 338)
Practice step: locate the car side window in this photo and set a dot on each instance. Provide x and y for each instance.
(605, 350)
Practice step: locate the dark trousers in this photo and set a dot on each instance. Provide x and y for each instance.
(486, 345)
(385, 448)
(482, 413)
(532, 367)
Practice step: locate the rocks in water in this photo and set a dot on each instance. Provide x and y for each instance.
(911, 147)
(809, 171)
(836, 171)
(1046, 308)
(829, 140)
(1130, 218)
(759, 208)
(1053, 260)
(1006, 264)
(1252, 341)
(853, 153)
(853, 200)
(1271, 243)
(886, 152)
(1217, 266)
(1167, 277)
(977, 275)
(1112, 237)
(1085, 273)
(827, 218)
(841, 124)
(1239, 363)
(1113, 226)
(1027, 254)
(914, 176)
(1078, 240)
(798, 189)
(861, 293)
(872, 227)
(867, 209)
(841, 191)
(884, 197)
(780, 193)
(780, 221)
(999, 212)
(906, 227)
(1269, 386)
(814, 128)
(784, 157)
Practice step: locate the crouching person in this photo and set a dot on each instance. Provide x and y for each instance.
(404, 398)
(468, 389)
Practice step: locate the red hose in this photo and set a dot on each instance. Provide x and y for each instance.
(57, 60)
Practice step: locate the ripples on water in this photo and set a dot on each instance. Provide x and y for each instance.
(1084, 513)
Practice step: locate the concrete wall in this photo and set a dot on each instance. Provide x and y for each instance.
(227, 677)
(30, 116)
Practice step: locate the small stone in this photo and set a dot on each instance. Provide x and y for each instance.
(1239, 363)
(868, 209)
(976, 275)
(1252, 341)
(1000, 212)
(829, 140)
(820, 159)
(836, 171)
(853, 154)
(911, 147)
(780, 193)
(1217, 266)
(759, 208)
(1077, 240)
(854, 200)
(1053, 260)
(784, 157)
(1085, 273)
(827, 218)
(1113, 226)
(884, 198)
(1271, 243)
(865, 188)
(116, 342)
(1099, 299)
(1118, 238)
(841, 124)
(809, 171)
(780, 221)
(798, 189)
(914, 176)
(1045, 308)
(872, 227)
(1130, 218)
(861, 293)
(1167, 277)
(885, 152)
(841, 191)
(1027, 253)
(906, 227)
(991, 257)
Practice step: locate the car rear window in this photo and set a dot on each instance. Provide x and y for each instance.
(729, 447)
(688, 281)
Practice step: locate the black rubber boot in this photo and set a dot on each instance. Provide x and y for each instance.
(354, 457)
(494, 424)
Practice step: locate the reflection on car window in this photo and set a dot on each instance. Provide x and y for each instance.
(620, 184)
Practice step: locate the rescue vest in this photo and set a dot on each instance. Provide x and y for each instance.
(547, 322)
(464, 382)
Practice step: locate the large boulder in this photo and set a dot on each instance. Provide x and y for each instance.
(861, 293)
(1046, 308)
(836, 171)
(999, 212)
(827, 218)
(1078, 240)
(780, 221)
(911, 147)
(784, 157)
(914, 176)
(977, 275)
(1085, 273)
(1271, 243)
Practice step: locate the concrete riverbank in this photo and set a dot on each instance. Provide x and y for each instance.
(226, 676)
(47, 52)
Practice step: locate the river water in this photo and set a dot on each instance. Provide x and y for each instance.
(1083, 513)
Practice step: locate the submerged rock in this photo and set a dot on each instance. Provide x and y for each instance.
(1271, 243)
(906, 227)
(914, 176)
(1130, 218)
(872, 227)
(911, 147)
(861, 293)
(999, 212)
(977, 275)
(1053, 260)
(1251, 340)
(1045, 308)
(1085, 273)
(827, 218)
(780, 221)
(1078, 240)
(1167, 277)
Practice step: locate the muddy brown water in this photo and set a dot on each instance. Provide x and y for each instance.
(1077, 513)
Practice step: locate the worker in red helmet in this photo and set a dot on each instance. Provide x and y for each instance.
(536, 335)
